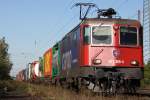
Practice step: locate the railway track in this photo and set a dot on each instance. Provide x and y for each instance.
(142, 92)
(19, 97)
(16, 96)
(139, 93)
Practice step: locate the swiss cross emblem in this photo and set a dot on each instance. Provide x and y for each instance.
(116, 53)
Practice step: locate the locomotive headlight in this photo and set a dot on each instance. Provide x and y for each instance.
(97, 61)
(134, 63)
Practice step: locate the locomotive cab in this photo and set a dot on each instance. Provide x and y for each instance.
(114, 45)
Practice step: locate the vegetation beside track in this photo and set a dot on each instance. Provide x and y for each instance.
(146, 81)
(5, 63)
(50, 92)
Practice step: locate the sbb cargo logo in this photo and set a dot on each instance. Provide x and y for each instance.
(116, 53)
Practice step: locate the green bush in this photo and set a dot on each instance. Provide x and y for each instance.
(7, 84)
(12, 85)
(146, 80)
(5, 63)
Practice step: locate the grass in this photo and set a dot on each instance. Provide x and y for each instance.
(50, 92)
(58, 93)
(145, 83)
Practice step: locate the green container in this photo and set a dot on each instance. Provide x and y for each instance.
(56, 60)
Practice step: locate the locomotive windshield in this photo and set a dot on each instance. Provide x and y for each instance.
(101, 35)
(128, 36)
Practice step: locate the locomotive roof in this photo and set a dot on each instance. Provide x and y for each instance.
(110, 21)
(105, 20)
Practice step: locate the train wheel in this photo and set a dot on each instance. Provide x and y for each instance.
(103, 86)
(96, 87)
(120, 90)
(113, 87)
(57, 82)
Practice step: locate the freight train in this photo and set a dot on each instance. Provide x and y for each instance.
(104, 54)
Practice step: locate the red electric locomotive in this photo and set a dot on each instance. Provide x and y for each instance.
(104, 53)
(111, 51)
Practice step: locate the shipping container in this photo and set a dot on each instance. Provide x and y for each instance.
(56, 66)
(70, 51)
(24, 74)
(21, 76)
(41, 67)
(35, 70)
(48, 63)
(28, 71)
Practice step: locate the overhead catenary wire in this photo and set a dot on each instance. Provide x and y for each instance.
(122, 4)
(134, 15)
(138, 13)
(70, 3)
(53, 34)
(64, 26)
(59, 32)
(113, 5)
(58, 22)
(65, 9)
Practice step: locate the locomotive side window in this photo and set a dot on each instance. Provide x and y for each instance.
(101, 35)
(128, 36)
(86, 38)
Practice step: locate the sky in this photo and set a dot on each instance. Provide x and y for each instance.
(30, 27)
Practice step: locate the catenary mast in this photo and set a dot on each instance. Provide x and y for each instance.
(146, 26)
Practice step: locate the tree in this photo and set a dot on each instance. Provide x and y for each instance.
(148, 64)
(5, 63)
(146, 79)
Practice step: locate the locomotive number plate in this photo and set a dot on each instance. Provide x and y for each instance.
(116, 61)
